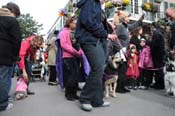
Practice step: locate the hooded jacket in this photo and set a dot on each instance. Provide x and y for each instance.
(10, 37)
(26, 52)
(89, 28)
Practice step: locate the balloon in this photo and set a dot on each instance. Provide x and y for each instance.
(62, 12)
(126, 2)
(146, 6)
(109, 4)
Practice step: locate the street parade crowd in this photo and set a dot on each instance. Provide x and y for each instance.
(110, 57)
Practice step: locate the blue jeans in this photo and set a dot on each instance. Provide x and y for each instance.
(5, 74)
(11, 71)
(92, 92)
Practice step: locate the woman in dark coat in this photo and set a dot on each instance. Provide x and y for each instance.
(136, 36)
(158, 54)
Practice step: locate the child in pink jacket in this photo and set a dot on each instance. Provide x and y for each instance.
(145, 64)
(70, 55)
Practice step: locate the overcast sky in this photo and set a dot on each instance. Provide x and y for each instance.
(44, 11)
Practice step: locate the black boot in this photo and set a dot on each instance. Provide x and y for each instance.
(30, 93)
(69, 95)
(74, 90)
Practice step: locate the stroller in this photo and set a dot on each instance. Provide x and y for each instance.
(38, 68)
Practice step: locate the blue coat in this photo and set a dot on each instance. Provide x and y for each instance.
(89, 28)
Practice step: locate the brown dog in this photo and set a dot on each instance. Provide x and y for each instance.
(110, 76)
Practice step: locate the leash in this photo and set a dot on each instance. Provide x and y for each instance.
(156, 68)
(120, 45)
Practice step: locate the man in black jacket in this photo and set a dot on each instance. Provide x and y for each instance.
(10, 40)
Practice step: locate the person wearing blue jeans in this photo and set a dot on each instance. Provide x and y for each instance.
(90, 32)
(10, 40)
(94, 87)
(11, 71)
(5, 74)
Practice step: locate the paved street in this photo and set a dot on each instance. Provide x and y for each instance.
(50, 101)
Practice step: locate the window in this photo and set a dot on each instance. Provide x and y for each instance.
(165, 5)
(136, 8)
(132, 6)
(172, 5)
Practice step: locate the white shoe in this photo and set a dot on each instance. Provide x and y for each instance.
(86, 107)
(106, 104)
(9, 106)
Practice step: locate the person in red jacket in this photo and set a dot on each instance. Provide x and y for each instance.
(133, 68)
(27, 52)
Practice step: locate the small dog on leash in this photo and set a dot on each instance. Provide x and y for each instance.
(110, 75)
(21, 89)
(170, 75)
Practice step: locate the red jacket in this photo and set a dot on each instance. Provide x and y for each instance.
(133, 68)
(26, 51)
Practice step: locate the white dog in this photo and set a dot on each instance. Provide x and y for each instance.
(170, 78)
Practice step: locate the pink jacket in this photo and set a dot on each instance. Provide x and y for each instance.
(26, 51)
(66, 45)
(145, 60)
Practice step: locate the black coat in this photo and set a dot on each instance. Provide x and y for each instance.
(10, 40)
(158, 48)
(172, 41)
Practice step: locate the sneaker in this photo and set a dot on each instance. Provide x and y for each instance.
(86, 107)
(9, 106)
(140, 87)
(106, 104)
(129, 87)
(52, 83)
(135, 88)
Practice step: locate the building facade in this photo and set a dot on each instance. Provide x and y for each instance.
(135, 8)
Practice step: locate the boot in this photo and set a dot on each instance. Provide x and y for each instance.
(30, 93)
(68, 94)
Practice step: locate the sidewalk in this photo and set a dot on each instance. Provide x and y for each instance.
(50, 101)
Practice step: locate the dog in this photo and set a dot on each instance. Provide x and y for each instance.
(170, 75)
(21, 89)
(110, 75)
